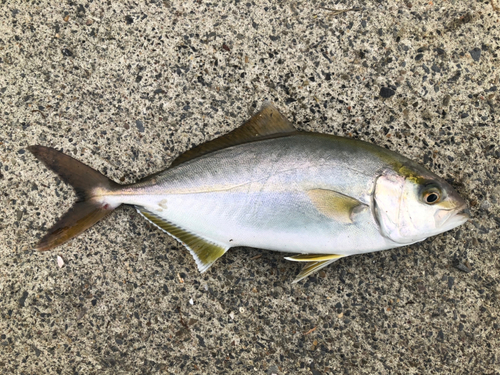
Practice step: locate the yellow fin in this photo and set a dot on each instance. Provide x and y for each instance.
(314, 257)
(335, 205)
(312, 267)
(267, 123)
(204, 252)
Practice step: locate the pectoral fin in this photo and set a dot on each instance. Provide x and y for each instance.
(204, 252)
(336, 206)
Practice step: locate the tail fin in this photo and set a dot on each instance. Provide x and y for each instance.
(88, 184)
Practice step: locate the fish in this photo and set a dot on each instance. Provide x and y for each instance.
(266, 185)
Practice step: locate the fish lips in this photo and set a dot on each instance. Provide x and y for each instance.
(449, 219)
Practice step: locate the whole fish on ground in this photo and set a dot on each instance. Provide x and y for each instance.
(267, 185)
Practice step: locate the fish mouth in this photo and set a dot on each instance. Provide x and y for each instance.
(456, 218)
(464, 212)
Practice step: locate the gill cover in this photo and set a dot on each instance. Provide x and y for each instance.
(388, 202)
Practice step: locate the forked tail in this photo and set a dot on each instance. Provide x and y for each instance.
(89, 186)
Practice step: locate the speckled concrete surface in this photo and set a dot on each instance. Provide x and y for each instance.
(127, 86)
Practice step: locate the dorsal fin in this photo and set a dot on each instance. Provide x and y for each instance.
(267, 123)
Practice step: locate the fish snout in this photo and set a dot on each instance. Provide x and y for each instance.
(465, 213)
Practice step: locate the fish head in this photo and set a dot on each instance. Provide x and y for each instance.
(411, 204)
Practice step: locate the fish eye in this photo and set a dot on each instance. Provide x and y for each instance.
(431, 197)
(430, 193)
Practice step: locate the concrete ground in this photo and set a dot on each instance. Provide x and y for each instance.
(125, 86)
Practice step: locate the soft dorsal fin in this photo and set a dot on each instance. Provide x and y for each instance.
(204, 252)
(267, 123)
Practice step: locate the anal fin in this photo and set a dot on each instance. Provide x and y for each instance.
(315, 262)
(204, 252)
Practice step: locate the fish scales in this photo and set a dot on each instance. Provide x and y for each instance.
(256, 195)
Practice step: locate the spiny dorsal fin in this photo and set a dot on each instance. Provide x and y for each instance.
(267, 123)
(311, 268)
(335, 205)
(204, 252)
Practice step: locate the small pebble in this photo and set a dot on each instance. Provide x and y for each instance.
(475, 54)
(436, 68)
(386, 92)
(451, 281)
(139, 125)
(460, 266)
(66, 52)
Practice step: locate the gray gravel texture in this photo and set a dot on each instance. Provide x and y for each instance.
(127, 86)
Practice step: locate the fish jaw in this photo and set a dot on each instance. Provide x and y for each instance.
(452, 219)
